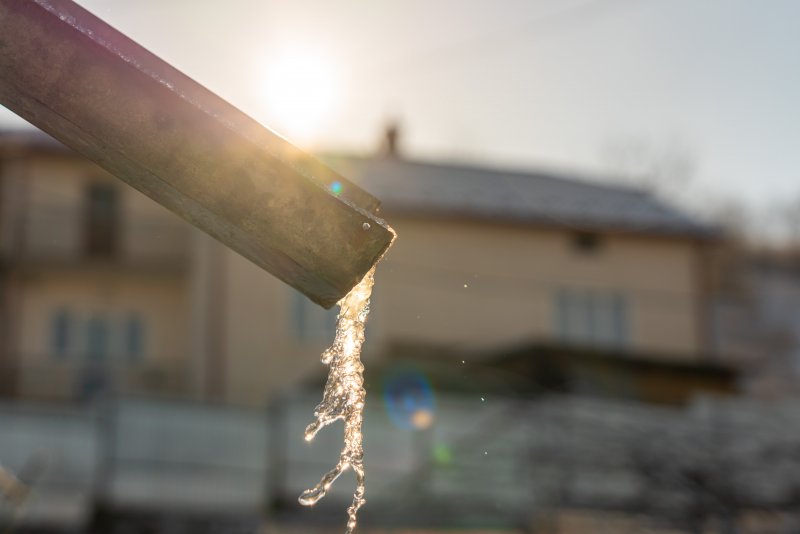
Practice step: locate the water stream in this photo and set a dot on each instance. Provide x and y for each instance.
(344, 396)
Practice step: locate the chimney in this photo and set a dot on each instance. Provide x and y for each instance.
(391, 140)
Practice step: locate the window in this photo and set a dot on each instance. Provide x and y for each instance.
(60, 335)
(586, 242)
(101, 220)
(134, 338)
(310, 321)
(592, 317)
(97, 339)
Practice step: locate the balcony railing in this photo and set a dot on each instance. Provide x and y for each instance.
(68, 382)
(58, 235)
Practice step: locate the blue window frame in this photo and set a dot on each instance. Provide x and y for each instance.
(134, 338)
(97, 336)
(60, 334)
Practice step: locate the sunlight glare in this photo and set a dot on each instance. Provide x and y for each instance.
(302, 91)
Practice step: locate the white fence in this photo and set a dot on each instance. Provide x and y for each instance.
(506, 457)
(55, 452)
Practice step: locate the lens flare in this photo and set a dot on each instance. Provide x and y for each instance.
(409, 400)
(442, 454)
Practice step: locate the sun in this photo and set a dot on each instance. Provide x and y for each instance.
(302, 91)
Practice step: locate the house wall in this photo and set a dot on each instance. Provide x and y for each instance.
(159, 302)
(512, 275)
(234, 330)
(469, 285)
(263, 354)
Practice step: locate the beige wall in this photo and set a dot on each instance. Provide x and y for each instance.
(159, 301)
(511, 275)
(263, 355)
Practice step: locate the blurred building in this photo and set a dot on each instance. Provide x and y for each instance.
(501, 282)
(103, 290)
(757, 318)
(95, 279)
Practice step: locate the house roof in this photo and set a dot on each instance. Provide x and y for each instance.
(530, 197)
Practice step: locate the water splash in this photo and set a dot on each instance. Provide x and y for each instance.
(344, 396)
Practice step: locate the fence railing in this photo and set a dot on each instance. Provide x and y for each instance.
(509, 460)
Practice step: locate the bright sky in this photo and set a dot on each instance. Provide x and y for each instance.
(510, 82)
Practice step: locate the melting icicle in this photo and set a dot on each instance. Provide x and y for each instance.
(344, 395)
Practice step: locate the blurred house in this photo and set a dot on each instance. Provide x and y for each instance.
(95, 279)
(102, 290)
(487, 260)
(756, 317)
(510, 282)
